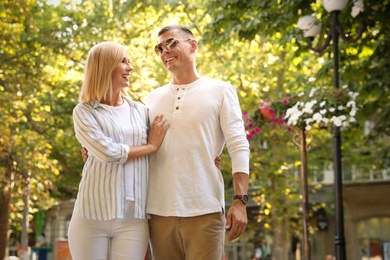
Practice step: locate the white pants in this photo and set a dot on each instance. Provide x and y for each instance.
(116, 239)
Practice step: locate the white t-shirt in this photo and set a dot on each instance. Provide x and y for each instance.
(122, 117)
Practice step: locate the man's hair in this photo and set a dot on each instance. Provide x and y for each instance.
(102, 60)
(175, 27)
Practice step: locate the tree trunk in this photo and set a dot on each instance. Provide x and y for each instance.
(280, 239)
(5, 201)
(26, 221)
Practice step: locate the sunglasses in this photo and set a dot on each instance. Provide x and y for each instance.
(168, 45)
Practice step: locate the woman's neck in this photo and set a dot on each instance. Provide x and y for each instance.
(117, 101)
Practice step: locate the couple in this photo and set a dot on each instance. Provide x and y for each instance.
(176, 199)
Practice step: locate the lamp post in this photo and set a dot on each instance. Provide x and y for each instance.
(311, 27)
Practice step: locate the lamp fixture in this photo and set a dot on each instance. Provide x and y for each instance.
(335, 5)
(310, 26)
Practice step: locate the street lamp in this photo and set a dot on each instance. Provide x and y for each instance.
(311, 27)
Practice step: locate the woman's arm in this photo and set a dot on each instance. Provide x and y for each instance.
(157, 132)
(89, 125)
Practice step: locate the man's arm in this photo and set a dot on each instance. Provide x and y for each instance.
(236, 218)
(237, 144)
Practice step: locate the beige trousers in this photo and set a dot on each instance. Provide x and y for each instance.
(187, 238)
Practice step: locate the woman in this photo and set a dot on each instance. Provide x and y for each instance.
(109, 217)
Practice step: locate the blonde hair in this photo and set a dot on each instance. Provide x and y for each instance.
(102, 60)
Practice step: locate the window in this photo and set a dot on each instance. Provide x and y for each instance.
(374, 238)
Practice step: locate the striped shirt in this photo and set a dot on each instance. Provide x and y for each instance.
(102, 194)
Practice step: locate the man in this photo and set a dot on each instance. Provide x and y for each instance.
(186, 190)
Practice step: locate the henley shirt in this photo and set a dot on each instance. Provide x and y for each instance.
(203, 116)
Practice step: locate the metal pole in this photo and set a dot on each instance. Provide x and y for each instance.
(339, 215)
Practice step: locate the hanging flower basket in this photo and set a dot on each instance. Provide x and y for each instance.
(266, 111)
(319, 108)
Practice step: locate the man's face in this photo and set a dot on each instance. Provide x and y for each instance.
(175, 50)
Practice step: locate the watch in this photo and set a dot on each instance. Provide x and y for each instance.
(243, 198)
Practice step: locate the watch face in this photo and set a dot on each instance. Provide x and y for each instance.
(243, 198)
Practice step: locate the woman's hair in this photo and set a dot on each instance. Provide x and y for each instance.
(102, 60)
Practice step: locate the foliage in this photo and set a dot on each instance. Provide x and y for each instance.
(359, 62)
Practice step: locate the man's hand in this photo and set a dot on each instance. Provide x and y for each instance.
(236, 220)
(84, 154)
(217, 161)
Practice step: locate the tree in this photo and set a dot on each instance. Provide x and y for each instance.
(31, 53)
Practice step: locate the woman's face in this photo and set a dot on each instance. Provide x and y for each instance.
(121, 75)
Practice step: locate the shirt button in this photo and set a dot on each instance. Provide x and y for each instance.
(177, 108)
(177, 89)
(179, 98)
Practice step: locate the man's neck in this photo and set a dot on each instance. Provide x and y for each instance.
(183, 79)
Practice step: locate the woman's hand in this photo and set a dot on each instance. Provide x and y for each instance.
(157, 132)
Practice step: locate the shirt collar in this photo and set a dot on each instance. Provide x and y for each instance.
(96, 103)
